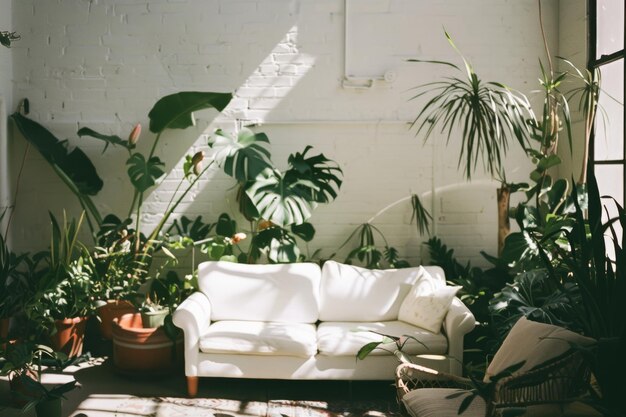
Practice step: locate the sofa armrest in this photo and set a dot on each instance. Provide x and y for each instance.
(458, 322)
(193, 316)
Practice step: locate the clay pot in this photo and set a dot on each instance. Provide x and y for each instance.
(69, 336)
(144, 351)
(113, 309)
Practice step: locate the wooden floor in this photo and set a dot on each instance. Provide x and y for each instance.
(105, 393)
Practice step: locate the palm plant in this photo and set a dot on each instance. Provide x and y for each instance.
(488, 114)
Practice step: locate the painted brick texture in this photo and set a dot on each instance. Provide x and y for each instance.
(103, 63)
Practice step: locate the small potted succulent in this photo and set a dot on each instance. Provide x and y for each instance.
(153, 313)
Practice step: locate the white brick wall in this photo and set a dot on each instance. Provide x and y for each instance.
(6, 91)
(103, 63)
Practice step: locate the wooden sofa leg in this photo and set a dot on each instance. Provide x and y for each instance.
(192, 386)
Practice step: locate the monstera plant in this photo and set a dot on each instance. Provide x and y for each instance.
(276, 203)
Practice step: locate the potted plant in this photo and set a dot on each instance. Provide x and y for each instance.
(25, 366)
(142, 346)
(64, 299)
(124, 254)
(11, 293)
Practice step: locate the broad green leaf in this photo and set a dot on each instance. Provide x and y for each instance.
(283, 250)
(367, 349)
(279, 201)
(225, 226)
(144, 174)
(74, 164)
(304, 231)
(229, 258)
(557, 194)
(548, 162)
(108, 139)
(243, 158)
(176, 110)
(317, 175)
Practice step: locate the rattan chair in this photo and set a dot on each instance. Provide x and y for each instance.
(545, 385)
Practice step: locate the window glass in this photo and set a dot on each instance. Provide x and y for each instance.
(609, 128)
(611, 182)
(609, 27)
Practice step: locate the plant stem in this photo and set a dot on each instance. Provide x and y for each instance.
(169, 212)
(545, 40)
(17, 187)
(138, 224)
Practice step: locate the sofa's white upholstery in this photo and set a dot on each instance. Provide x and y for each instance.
(261, 321)
(283, 292)
(352, 293)
(346, 338)
(260, 338)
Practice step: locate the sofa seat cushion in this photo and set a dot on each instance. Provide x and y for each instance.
(346, 338)
(260, 338)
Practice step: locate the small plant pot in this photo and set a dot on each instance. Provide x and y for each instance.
(113, 309)
(69, 336)
(153, 319)
(51, 407)
(148, 351)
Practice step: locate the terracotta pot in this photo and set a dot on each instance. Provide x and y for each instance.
(113, 309)
(69, 336)
(145, 351)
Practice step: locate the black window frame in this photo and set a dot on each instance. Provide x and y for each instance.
(592, 63)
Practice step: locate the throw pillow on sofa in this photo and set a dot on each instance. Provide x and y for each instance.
(427, 303)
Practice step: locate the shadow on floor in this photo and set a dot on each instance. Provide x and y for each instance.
(105, 393)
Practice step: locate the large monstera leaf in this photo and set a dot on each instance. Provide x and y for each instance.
(144, 173)
(176, 110)
(280, 199)
(74, 165)
(243, 158)
(289, 198)
(281, 245)
(316, 175)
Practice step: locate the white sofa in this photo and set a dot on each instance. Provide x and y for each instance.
(297, 321)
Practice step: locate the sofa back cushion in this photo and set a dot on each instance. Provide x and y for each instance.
(283, 293)
(352, 293)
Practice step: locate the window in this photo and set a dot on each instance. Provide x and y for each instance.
(606, 52)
